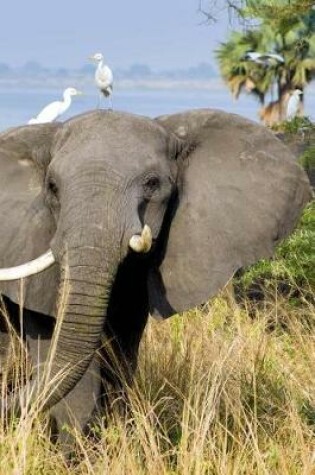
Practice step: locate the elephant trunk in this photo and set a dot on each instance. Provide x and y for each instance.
(84, 293)
(88, 268)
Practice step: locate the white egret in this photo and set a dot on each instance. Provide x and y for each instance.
(293, 104)
(266, 59)
(55, 109)
(103, 78)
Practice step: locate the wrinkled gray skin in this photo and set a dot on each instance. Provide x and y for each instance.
(218, 192)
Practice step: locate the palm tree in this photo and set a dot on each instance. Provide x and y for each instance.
(239, 73)
(293, 39)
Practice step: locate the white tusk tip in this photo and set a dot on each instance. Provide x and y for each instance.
(29, 268)
(142, 243)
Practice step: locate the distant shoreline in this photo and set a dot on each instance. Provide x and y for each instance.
(87, 83)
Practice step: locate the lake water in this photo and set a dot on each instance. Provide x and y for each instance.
(18, 106)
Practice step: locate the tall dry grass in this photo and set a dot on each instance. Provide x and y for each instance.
(226, 390)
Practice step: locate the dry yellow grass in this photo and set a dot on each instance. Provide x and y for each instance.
(218, 391)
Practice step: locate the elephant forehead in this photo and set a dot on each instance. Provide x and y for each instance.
(132, 159)
(122, 141)
(106, 128)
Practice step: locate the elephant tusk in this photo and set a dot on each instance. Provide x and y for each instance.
(29, 268)
(143, 242)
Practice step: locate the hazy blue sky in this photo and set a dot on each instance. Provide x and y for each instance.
(161, 33)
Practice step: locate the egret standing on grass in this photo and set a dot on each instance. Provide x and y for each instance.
(55, 109)
(103, 78)
(293, 104)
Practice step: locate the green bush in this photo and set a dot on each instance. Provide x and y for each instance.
(295, 126)
(292, 270)
(307, 159)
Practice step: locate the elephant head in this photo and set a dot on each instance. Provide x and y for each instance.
(210, 192)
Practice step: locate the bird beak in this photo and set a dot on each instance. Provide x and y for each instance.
(91, 58)
(80, 93)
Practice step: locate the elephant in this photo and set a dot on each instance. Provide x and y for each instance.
(112, 217)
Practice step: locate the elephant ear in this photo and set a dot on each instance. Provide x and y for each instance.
(25, 151)
(26, 224)
(240, 192)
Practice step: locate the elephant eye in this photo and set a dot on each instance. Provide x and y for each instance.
(152, 184)
(52, 187)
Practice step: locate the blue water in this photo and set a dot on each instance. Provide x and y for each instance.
(18, 106)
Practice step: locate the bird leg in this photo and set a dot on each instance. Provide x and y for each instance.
(110, 102)
(98, 106)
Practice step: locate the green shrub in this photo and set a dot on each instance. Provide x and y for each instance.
(295, 126)
(292, 270)
(307, 159)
